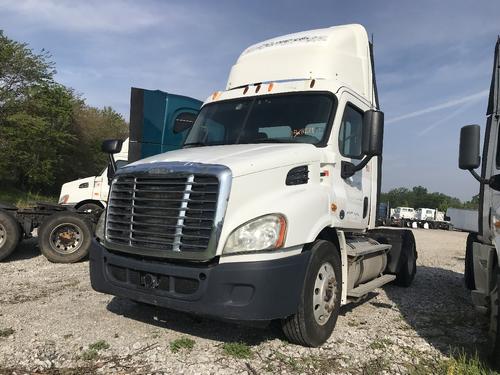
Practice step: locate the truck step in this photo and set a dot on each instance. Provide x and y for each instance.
(363, 289)
(360, 246)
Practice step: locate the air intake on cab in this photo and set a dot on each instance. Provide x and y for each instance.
(298, 175)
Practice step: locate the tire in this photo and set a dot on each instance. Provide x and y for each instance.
(92, 207)
(494, 331)
(10, 234)
(470, 282)
(65, 237)
(314, 322)
(408, 261)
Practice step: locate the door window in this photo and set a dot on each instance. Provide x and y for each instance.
(350, 136)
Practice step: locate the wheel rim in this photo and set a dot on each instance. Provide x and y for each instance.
(494, 318)
(3, 235)
(66, 238)
(324, 296)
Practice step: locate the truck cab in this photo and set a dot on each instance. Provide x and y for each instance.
(268, 211)
(482, 267)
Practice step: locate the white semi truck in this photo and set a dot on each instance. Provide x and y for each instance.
(91, 193)
(268, 211)
(482, 258)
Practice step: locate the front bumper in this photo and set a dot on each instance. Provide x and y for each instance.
(248, 291)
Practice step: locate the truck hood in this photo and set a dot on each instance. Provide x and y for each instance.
(242, 159)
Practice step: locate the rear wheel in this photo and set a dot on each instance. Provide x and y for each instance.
(65, 237)
(408, 261)
(494, 333)
(10, 234)
(319, 304)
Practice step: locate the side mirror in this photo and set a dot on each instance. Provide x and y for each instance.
(111, 146)
(494, 182)
(373, 133)
(468, 157)
(371, 144)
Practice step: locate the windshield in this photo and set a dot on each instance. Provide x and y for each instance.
(288, 118)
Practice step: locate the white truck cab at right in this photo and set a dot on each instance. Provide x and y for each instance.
(268, 211)
(482, 267)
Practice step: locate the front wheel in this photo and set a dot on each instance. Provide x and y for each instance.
(319, 304)
(65, 237)
(494, 333)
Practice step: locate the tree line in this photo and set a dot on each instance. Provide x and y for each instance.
(419, 196)
(48, 134)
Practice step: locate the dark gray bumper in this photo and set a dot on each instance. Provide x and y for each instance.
(237, 291)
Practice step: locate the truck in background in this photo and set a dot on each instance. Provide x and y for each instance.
(426, 218)
(268, 211)
(159, 122)
(482, 253)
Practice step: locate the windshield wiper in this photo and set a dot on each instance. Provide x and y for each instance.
(194, 144)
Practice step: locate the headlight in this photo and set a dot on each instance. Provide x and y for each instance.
(264, 233)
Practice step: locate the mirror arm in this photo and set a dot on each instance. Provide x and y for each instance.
(477, 177)
(348, 169)
(112, 165)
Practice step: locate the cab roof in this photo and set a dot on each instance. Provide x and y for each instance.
(339, 53)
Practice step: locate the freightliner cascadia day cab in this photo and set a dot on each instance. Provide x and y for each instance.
(159, 122)
(482, 258)
(268, 211)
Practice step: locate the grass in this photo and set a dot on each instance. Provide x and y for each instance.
(317, 364)
(99, 345)
(459, 364)
(380, 344)
(92, 352)
(22, 199)
(182, 343)
(6, 332)
(237, 350)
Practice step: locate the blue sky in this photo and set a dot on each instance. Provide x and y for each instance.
(433, 59)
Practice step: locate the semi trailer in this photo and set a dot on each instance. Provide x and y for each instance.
(482, 253)
(268, 210)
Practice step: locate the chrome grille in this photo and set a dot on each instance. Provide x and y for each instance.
(173, 212)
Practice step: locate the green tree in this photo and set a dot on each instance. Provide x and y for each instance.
(20, 70)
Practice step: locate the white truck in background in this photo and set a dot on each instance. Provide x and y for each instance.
(427, 218)
(91, 193)
(482, 252)
(268, 211)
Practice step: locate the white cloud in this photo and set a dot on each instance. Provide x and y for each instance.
(91, 16)
(448, 104)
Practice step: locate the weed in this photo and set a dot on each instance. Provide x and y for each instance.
(182, 343)
(89, 354)
(237, 350)
(99, 345)
(380, 344)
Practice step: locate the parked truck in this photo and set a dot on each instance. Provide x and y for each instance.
(482, 254)
(268, 211)
(159, 122)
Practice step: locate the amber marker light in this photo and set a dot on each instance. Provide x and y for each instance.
(313, 82)
(245, 90)
(333, 207)
(215, 95)
(270, 87)
(257, 89)
(281, 238)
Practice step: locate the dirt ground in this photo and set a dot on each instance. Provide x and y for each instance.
(52, 322)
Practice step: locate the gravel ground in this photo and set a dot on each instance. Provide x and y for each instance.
(52, 322)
